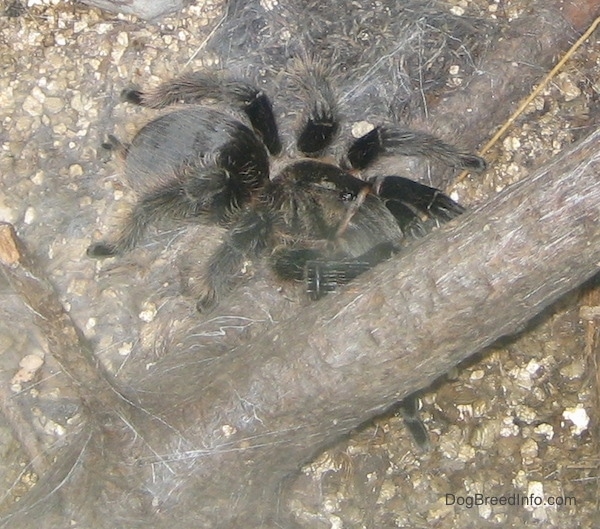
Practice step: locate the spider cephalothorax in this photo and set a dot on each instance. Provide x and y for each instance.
(316, 221)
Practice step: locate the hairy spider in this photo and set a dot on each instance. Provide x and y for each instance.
(316, 221)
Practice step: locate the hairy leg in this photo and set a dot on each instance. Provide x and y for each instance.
(321, 122)
(114, 145)
(197, 87)
(391, 140)
(290, 263)
(326, 275)
(397, 191)
(409, 409)
(164, 202)
(248, 238)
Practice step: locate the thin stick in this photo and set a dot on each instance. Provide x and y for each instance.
(65, 342)
(204, 42)
(509, 122)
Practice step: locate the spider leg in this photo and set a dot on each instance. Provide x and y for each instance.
(146, 211)
(321, 122)
(409, 409)
(315, 172)
(408, 219)
(383, 140)
(246, 239)
(290, 263)
(325, 275)
(197, 87)
(403, 196)
(115, 145)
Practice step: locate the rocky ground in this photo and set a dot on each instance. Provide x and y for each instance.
(518, 421)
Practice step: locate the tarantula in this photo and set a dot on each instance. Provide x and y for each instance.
(316, 221)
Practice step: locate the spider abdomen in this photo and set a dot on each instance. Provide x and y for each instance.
(167, 147)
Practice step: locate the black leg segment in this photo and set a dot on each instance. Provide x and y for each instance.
(318, 132)
(425, 199)
(366, 149)
(321, 122)
(409, 409)
(247, 238)
(325, 276)
(290, 263)
(259, 110)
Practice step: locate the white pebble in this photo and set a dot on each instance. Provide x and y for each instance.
(29, 215)
(360, 128)
(579, 417)
(228, 430)
(79, 25)
(75, 170)
(149, 312)
(38, 178)
(123, 39)
(478, 374)
(37, 93)
(32, 106)
(529, 451)
(532, 367)
(31, 363)
(545, 429)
